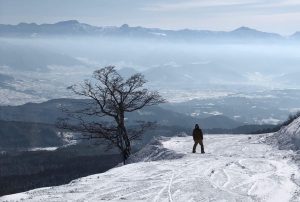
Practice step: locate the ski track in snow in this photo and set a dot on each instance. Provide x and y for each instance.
(235, 168)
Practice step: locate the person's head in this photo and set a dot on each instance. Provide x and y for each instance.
(196, 126)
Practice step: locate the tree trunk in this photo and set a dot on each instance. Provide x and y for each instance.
(126, 147)
(121, 142)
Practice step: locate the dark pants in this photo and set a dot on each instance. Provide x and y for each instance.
(195, 145)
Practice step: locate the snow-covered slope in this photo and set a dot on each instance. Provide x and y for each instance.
(288, 137)
(235, 168)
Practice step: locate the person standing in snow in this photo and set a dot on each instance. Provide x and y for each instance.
(198, 138)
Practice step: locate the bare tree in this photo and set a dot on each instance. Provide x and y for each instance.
(111, 96)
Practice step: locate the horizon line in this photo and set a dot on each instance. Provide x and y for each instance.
(166, 29)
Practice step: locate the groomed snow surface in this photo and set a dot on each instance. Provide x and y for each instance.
(235, 168)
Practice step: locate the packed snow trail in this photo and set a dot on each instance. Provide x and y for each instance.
(235, 168)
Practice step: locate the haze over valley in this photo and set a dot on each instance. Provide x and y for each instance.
(254, 69)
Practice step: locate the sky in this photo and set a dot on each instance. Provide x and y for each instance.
(280, 16)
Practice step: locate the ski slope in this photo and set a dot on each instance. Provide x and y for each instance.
(235, 168)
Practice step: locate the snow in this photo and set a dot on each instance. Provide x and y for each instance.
(43, 149)
(235, 168)
(288, 137)
(159, 34)
(270, 120)
(214, 113)
(177, 96)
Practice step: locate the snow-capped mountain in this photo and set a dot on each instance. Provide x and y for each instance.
(235, 168)
(75, 28)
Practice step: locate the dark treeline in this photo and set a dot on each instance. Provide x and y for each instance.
(22, 171)
(22, 135)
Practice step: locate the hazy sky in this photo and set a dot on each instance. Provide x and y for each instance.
(281, 16)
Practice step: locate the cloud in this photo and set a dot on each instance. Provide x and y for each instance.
(193, 4)
(224, 14)
(285, 3)
(228, 6)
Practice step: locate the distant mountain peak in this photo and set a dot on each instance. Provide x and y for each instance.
(248, 32)
(243, 29)
(124, 26)
(68, 22)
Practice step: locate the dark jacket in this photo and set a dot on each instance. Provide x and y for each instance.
(197, 134)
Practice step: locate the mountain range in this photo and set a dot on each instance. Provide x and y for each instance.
(75, 28)
(35, 113)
